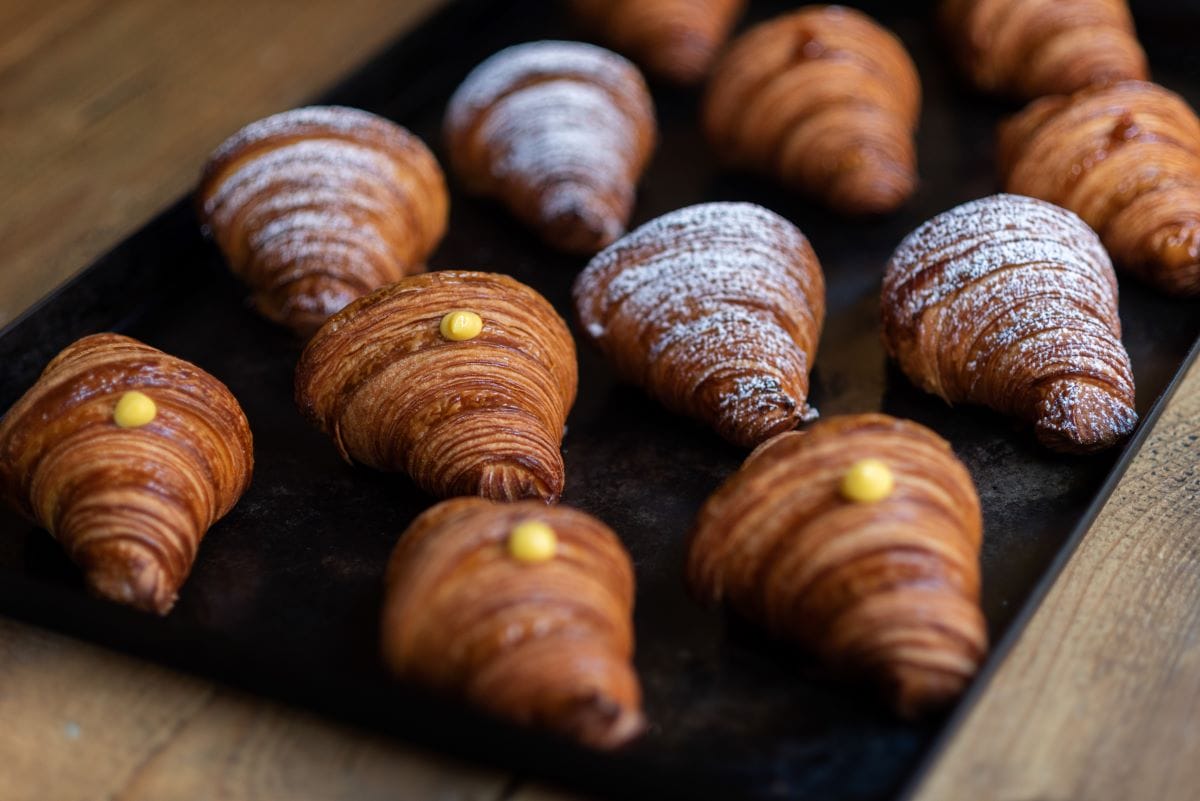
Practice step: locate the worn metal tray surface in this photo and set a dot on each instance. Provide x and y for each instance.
(285, 593)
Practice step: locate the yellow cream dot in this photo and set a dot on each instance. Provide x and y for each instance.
(532, 541)
(459, 326)
(134, 410)
(868, 481)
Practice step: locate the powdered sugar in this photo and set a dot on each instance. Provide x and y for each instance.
(727, 290)
(533, 62)
(560, 131)
(1004, 299)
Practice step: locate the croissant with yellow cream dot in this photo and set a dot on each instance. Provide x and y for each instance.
(462, 380)
(524, 610)
(884, 584)
(127, 456)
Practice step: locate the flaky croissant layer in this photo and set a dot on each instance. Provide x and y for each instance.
(128, 504)
(560, 132)
(1033, 48)
(676, 40)
(1011, 302)
(1125, 158)
(715, 310)
(824, 100)
(317, 206)
(477, 416)
(888, 588)
(542, 638)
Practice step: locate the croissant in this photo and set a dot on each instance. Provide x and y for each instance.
(715, 310)
(1011, 303)
(1032, 48)
(127, 456)
(826, 101)
(462, 380)
(318, 206)
(676, 40)
(1126, 159)
(883, 584)
(560, 132)
(523, 609)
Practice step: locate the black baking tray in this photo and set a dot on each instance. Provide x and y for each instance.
(285, 593)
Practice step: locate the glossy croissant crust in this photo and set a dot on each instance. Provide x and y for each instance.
(676, 40)
(129, 505)
(478, 417)
(1031, 48)
(1011, 302)
(824, 100)
(559, 132)
(1125, 158)
(318, 206)
(887, 589)
(546, 644)
(715, 310)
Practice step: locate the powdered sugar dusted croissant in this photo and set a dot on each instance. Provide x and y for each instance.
(881, 580)
(1125, 158)
(1032, 48)
(826, 101)
(715, 310)
(463, 380)
(522, 609)
(318, 206)
(560, 133)
(675, 40)
(1011, 302)
(127, 456)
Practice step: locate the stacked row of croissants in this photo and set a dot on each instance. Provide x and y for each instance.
(857, 537)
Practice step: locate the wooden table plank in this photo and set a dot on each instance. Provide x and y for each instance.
(80, 722)
(1100, 699)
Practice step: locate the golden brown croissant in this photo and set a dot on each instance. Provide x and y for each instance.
(560, 133)
(886, 585)
(1126, 159)
(127, 456)
(715, 310)
(1011, 302)
(826, 101)
(523, 609)
(676, 40)
(1032, 48)
(463, 380)
(318, 206)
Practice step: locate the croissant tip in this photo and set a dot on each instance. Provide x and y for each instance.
(605, 723)
(131, 579)
(1082, 417)
(918, 692)
(511, 481)
(576, 223)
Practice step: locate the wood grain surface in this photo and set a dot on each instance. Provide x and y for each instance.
(107, 110)
(1100, 699)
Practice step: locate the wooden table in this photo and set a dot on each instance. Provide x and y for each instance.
(107, 109)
